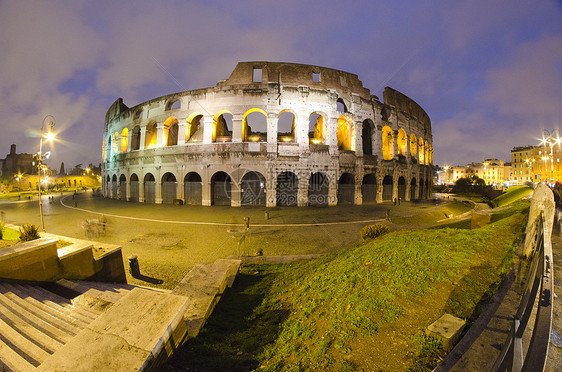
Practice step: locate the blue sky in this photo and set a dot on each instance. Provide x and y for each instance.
(488, 72)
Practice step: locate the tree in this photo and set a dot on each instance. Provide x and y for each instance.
(62, 172)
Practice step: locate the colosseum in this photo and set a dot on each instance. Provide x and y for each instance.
(272, 134)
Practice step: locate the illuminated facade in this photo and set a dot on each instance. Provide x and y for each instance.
(536, 163)
(493, 171)
(271, 134)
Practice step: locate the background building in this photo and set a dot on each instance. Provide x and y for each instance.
(17, 164)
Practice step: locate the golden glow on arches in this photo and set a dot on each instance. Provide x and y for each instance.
(115, 143)
(170, 132)
(124, 140)
(150, 135)
(387, 143)
(318, 134)
(426, 148)
(421, 151)
(245, 124)
(401, 141)
(282, 136)
(344, 133)
(214, 131)
(413, 145)
(193, 124)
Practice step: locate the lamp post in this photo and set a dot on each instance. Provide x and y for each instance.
(550, 140)
(41, 157)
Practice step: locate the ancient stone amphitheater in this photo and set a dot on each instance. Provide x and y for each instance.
(272, 134)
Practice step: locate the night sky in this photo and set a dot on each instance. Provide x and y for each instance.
(488, 72)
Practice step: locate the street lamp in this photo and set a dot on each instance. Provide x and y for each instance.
(550, 140)
(41, 157)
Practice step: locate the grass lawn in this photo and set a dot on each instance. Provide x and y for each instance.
(432, 216)
(513, 194)
(9, 237)
(363, 307)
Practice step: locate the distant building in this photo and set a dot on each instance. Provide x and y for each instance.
(16, 163)
(536, 163)
(493, 171)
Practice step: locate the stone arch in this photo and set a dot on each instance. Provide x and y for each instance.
(401, 188)
(222, 126)
(402, 142)
(194, 128)
(421, 151)
(287, 189)
(169, 187)
(173, 104)
(124, 140)
(171, 131)
(413, 189)
(193, 189)
(149, 185)
(254, 125)
(318, 190)
(114, 186)
(344, 133)
(220, 188)
(369, 188)
(134, 188)
(426, 149)
(123, 187)
(150, 135)
(346, 189)
(286, 126)
(317, 127)
(341, 106)
(115, 144)
(413, 145)
(387, 143)
(253, 189)
(135, 138)
(387, 188)
(367, 136)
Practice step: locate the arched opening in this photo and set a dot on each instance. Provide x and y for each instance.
(150, 135)
(346, 189)
(114, 187)
(134, 185)
(341, 106)
(254, 126)
(387, 186)
(173, 105)
(387, 143)
(318, 188)
(421, 151)
(422, 191)
(413, 145)
(369, 189)
(107, 186)
(316, 132)
(104, 151)
(367, 137)
(426, 149)
(135, 138)
(413, 186)
(401, 189)
(253, 189)
(192, 188)
(287, 189)
(194, 129)
(220, 189)
(286, 127)
(344, 133)
(124, 140)
(123, 187)
(115, 144)
(171, 131)
(401, 142)
(222, 127)
(169, 187)
(426, 189)
(149, 188)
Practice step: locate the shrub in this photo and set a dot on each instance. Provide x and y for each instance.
(373, 231)
(1, 230)
(29, 232)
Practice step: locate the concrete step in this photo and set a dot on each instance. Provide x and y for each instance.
(27, 349)
(11, 360)
(89, 292)
(54, 300)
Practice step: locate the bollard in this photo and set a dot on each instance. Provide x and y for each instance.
(266, 215)
(246, 223)
(134, 268)
(75, 204)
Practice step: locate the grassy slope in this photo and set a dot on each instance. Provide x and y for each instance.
(431, 217)
(332, 312)
(513, 194)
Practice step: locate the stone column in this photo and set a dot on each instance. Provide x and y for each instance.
(158, 191)
(181, 133)
(301, 128)
(208, 129)
(333, 190)
(129, 137)
(128, 187)
(141, 190)
(180, 190)
(237, 122)
(302, 192)
(206, 193)
(358, 143)
(358, 200)
(332, 135)
(379, 188)
(142, 138)
(235, 194)
(408, 188)
(160, 137)
(272, 120)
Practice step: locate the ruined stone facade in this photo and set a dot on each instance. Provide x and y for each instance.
(271, 134)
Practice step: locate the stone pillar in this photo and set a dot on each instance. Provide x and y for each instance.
(395, 177)
(332, 135)
(160, 137)
(271, 196)
(358, 200)
(158, 191)
(208, 129)
(235, 194)
(408, 188)
(128, 187)
(141, 190)
(379, 188)
(237, 121)
(302, 192)
(181, 133)
(206, 193)
(142, 138)
(180, 190)
(301, 128)
(129, 137)
(272, 120)
(333, 190)
(358, 141)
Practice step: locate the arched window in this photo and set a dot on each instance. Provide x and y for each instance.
(149, 188)
(115, 144)
(171, 131)
(346, 189)
(150, 135)
(253, 189)
(287, 189)
(222, 127)
(401, 141)
(254, 126)
(367, 137)
(220, 189)
(316, 131)
(173, 105)
(124, 140)
(344, 133)
(340, 106)
(135, 138)
(387, 143)
(286, 127)
(192, 188)
(169, 187)
(369, 188)
(104, 151)
(194, 129)
(413, 145)
(426, 149)
(421, 151)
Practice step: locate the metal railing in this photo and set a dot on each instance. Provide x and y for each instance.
(513, 356)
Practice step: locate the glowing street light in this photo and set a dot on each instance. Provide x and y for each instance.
(41, 157)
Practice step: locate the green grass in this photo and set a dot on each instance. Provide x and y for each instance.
(431, 217)
(513, 194)
(14, 195)
(9, 234)
(332, 312)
